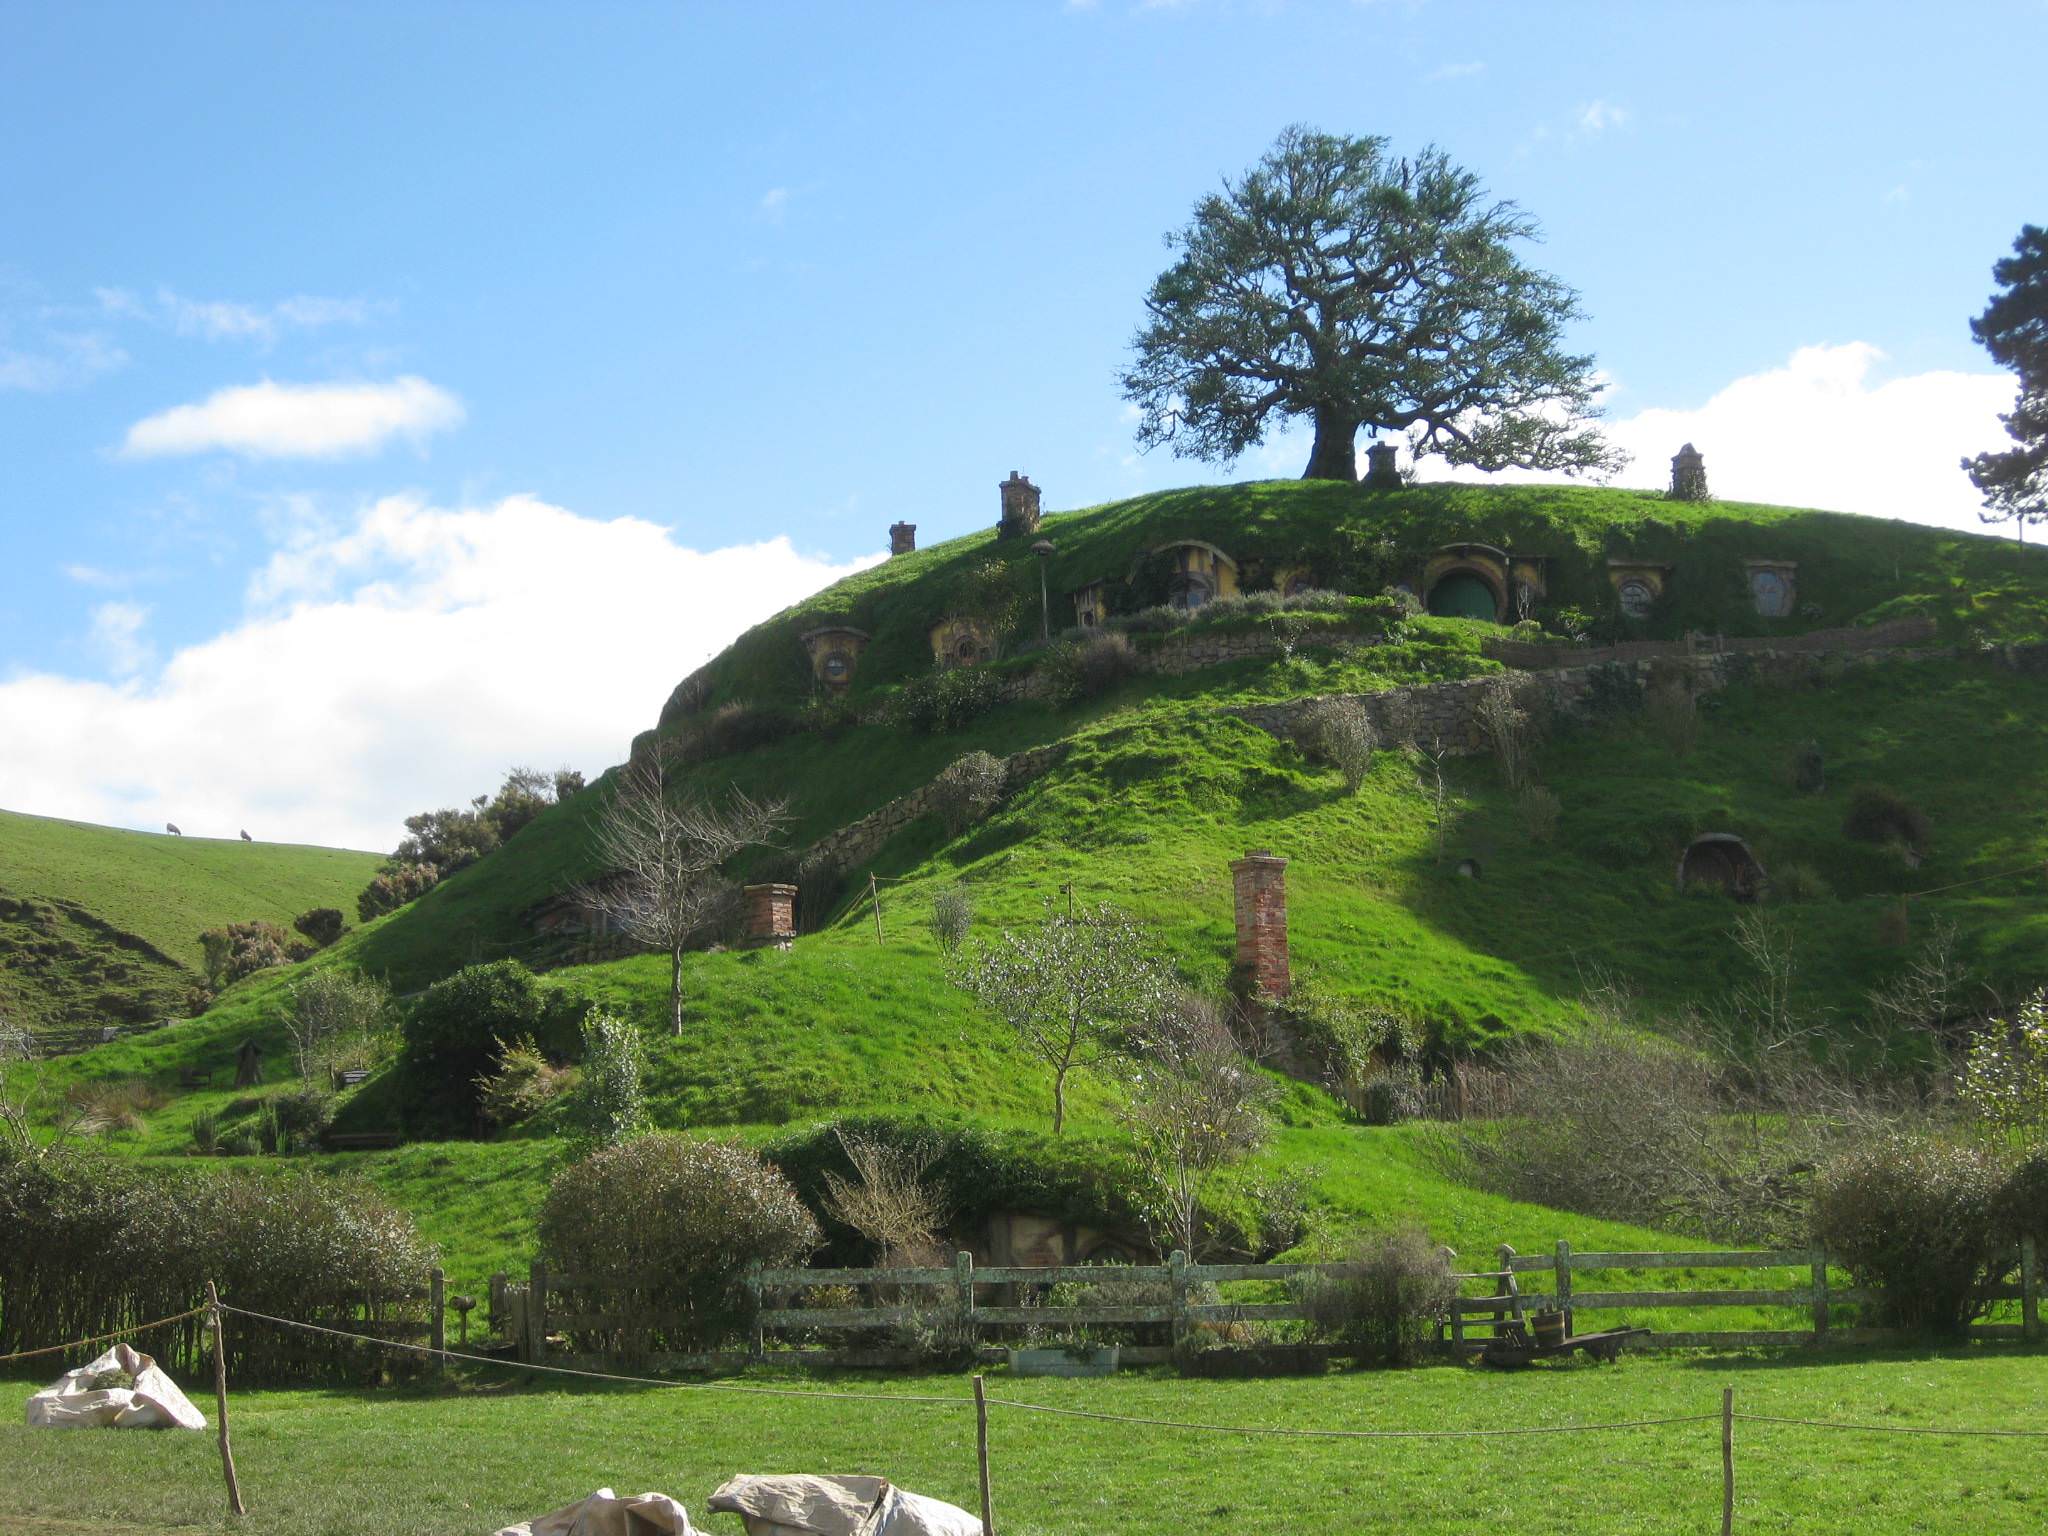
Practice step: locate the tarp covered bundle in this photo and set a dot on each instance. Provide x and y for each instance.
(604, 1513)
(805, 1505)
(72, 1401)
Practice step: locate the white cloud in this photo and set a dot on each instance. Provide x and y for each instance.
(401, 663)
(1463, 70)
(1599, 116)
(315, 421)
(774, 204)
(226, 320)
(61, 360)
(1825, 431)
(117, 637)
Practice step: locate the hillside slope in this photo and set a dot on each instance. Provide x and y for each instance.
(101, 925)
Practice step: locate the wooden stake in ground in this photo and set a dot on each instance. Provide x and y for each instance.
(875, 895)
(220, 1398)
(1727, 1461)
(988, 1527)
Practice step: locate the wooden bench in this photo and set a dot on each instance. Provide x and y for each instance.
(361, 1141)
(349, 1077)
(195, 1077)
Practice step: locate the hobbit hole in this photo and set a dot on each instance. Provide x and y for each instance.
(1722, 861)
(961, 642)
(1088, 606)
(1201, 574)
(835, 652)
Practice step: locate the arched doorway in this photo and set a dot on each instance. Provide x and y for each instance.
(1464, 595)
(1722, 861)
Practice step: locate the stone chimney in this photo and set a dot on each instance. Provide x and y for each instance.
(771, 915)
(1380, 474)
(1688, 475)
(1261, 887)
(902, 538)
(1020, 508)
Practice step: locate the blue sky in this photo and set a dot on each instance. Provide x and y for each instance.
(341, 345)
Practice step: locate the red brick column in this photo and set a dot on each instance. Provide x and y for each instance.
(1261, 887)
(771, 914)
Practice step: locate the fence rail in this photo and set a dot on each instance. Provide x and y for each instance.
(991, 1302)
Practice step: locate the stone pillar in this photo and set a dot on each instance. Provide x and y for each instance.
(1380, 474)
(771, 915)
(1688, 475)
(1020, 507)
(902, 538)
(1261, 889)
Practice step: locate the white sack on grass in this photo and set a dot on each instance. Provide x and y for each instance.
(604, 1513)
(806, 1505)
(154, 1402)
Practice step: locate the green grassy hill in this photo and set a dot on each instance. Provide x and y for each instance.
(1161, 786)
(99, 925)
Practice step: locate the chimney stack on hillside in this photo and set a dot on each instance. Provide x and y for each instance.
(902, 538)
(771, 915)
(1260, 880)
(1380, 473)
(1020, 508)
(1688, 475)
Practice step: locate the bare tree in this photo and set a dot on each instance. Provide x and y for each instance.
(25, 1100)
(1068, 987)
(662, 849)
(1193, 1104)
(331, 1005)
(888, 1201)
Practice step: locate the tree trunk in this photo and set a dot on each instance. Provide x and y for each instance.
(1335, 456)
(675, 990)
(1059, 1100)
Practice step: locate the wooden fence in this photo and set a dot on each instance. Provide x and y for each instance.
(987, 1306)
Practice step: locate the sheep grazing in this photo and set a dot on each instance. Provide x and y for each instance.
(247, 838)
(172, 828)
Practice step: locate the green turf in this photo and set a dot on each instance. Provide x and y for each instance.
(98, 924)
(464, 1461)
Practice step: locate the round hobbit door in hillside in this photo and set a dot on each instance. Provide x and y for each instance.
(837, 668)
(1461, 595)
(1638, 598)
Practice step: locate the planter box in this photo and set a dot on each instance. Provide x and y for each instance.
(1261, 1360)
(1058, 1361)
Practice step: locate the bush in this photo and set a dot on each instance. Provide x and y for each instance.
(242, 949)
(666, 1226)
(1383, 1305)
(609, 1104)
(2005, 1075)
(319, 1248)
(1800, 882)
(1392, 1096)
(1513, 731)
(396, 884)
(1340, 733)
(322, 925)
(453, 1031)
(205, 1133)
(301, 1114)
(735, 727)
(967, 790)
(332, 1009)
(1880, 815)
(519, 1086)
(940, 702)
(1089, 665)
(1917, 1217)
(952, 917)
(1808, 769)
(1539, 809)
(1674, 715)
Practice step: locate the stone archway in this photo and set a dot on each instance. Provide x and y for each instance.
(1721, 860)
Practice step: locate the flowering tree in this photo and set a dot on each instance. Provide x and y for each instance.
(2005, 1076)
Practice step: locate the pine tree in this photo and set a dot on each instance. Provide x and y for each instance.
(2014, 330)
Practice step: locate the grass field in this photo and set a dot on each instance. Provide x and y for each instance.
(468, 1460)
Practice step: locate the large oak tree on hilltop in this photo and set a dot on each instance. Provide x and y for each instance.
(2014, 330)
(1334, 282)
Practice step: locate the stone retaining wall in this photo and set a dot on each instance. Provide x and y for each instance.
(859, 841)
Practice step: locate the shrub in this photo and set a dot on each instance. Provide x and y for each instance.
(1917, 1217)
(452, 1032)
(322, 925)
(940, 702)
(519, 1085)
(242, 949)
(320, 1248)
(1800, 882)
(1674, 715)
(1089, 665)
(1539, 810)
(116, 1106)
(967, 790)
(1808, 769)
(1157, 619)
(242, 1143)
(1393, 1095)
(1383, 1305)
(1512, 730)
(667, 1225)
(2005, 1075)
(1880, 815)
(205, 1133)
(609, 1104)
(952, 917)
(736, 727)
(330, 1006)
(1612, 690)
(302, 1114)
(1340, 733)
(396, 884)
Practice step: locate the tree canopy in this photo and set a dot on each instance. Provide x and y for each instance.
(1334, 282)
(2014, 330)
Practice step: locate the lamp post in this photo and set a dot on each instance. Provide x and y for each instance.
(1043, 549)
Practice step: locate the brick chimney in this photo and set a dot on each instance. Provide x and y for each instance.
(1261, 887)
(1020, 507)
(771, 915)
(1380, 473)
(1688, 475)
(902, 538)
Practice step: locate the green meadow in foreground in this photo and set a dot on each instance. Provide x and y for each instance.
(465, 1461)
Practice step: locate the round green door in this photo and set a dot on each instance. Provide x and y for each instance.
(1461, 595)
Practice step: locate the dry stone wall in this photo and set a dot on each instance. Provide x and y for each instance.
(859, 841)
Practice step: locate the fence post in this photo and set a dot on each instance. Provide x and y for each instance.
(497, 1319)
(437, 1317)
(1820, 1295)
(537, 1312)
(2030, 1290)
(1457, 1311)
(988, 1527)
(1727, 1461)
(1564, 1282)
(1505, 1286)
(220, 1398)
(963, 1298)
(1177, 1287)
